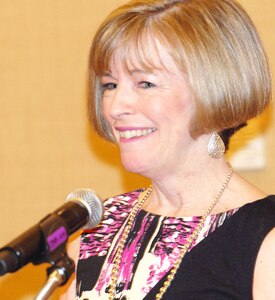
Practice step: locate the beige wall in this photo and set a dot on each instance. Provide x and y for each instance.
(46, 147)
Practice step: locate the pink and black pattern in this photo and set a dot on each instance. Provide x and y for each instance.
(149, 253)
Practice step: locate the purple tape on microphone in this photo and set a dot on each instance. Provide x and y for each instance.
(57, 238)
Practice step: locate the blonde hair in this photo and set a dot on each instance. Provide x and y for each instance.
(213, 41)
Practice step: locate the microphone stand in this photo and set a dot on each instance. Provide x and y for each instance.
(62, 266)
(57, 275)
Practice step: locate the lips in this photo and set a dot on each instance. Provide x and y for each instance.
(135, 133)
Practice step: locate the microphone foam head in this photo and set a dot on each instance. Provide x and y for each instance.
(92, 202)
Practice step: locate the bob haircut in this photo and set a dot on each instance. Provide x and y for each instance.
(214, 42)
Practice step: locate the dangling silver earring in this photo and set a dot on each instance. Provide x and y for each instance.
(216, 147)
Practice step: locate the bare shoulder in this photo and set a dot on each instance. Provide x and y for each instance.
(73, 249)
(242, 192)
(67, 292)
(264, 275)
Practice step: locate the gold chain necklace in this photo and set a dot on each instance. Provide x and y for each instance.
(185, 248)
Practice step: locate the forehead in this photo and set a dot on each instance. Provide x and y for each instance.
(148, 55)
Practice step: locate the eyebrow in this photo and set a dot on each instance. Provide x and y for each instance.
(138, 71)
(144, 71)
(106, 74)
(132, 72)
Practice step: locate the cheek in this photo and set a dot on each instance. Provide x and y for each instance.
(106, 114)
(105, 110)
(180, 112)
(177, 108)
(184, 105)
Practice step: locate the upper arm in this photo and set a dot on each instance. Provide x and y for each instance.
(68, 291)
(264, 275)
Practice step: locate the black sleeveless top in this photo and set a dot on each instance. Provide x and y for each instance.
(220, 266)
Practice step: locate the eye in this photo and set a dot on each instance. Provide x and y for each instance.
(146, 84)
(109, 86)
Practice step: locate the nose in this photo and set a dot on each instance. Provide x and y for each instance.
(121, 103)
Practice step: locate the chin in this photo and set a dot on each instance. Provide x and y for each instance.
(135, 166)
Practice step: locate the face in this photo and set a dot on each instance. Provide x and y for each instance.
(149, 113)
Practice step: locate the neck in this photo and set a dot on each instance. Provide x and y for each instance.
(189, 193)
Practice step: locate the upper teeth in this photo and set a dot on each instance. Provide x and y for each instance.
(128, 134)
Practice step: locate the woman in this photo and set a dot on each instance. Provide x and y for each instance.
(171, 81)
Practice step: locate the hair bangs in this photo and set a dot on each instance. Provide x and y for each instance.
(134, 45)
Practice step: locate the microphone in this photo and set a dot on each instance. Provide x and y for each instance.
(46, 241)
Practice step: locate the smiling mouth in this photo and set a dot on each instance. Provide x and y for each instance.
(130, 134)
